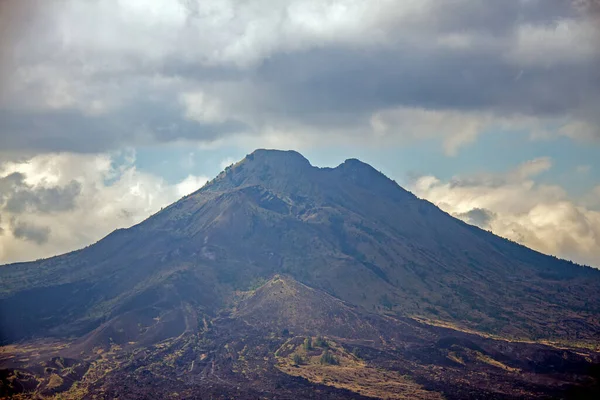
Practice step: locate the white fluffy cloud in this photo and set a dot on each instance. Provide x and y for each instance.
(55, 203)
(514, 206)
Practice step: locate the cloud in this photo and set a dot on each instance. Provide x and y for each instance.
(31, 232)
(55, 203)
(477, 216)
(226, 162)
(583, 169)
(566, 41)
(457, 129)
(46, 200)
(530, 169)
(515, 206)
(199, 107)
(217, 71)
(190, 184)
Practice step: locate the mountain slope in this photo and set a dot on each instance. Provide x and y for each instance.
(244, 353)
(348, 230)
(274, 244)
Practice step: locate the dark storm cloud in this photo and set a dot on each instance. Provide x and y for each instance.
(30, 232)
(589, 6)
(59, 130)
(16, 196)
(9, 183)
(350, 81)
(45, 200)
(478, 216)
(533, 58)
(489, 181)
(73, 130)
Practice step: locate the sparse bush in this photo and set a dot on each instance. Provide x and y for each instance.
(256, 283)
(356, 352)
(285, 332)
(320, 342)
(385, 302)
(328, 359)
(297, 359)
(432, 310)
(308, 344)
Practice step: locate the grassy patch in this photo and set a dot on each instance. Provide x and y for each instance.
(348, 372)
(495, 363)
(54, 382)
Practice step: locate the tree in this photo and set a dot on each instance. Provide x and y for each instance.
(297, 359)
(308, 344)
(328, 359)
(320, 342)
(385, 302)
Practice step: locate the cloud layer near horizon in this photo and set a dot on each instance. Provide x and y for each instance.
(514, 206)
(55, 203)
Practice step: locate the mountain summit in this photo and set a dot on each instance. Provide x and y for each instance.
(220, 290)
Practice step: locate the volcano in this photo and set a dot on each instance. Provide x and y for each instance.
(278, 279)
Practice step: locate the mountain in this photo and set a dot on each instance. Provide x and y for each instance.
(215, 295)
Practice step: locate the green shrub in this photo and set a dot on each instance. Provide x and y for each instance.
(385, 302)
(328, 359)
(308, 344)
(297, 359)
(320, 342)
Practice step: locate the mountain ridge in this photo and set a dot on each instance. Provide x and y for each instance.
(350, 161)
(237, 204)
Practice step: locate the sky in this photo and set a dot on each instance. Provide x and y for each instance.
(112, 109)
